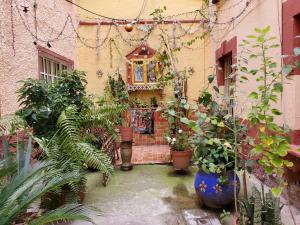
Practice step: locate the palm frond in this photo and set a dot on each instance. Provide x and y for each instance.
(9, 124)
(7, 167)
(65, 213)
(96, 159)
(72, 146)
(27, 187)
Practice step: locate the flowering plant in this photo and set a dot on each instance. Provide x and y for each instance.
(179, 142)
(175, 111)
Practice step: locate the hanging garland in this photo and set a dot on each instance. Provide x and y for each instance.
(12, 27)
(204, 23)
(98, 40)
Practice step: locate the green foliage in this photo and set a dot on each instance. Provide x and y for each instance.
(42, 103)
(271, 141)
(217, 133)
(157, 14)
(118, 88)
(10, 124)
(22, 184)
(138, 103)
(180, 141)
(69, 148)
(27, 186)
(153, 101)
(175, 113)
(260, 210)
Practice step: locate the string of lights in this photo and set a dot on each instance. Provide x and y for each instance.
(129, 40)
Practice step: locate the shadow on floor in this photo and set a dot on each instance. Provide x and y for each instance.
(182, 199)
(180, 173)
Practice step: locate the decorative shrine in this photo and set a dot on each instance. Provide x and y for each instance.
(143, 69)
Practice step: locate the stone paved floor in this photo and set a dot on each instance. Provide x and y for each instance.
(147, 154)
(154, 195)
(147, 195)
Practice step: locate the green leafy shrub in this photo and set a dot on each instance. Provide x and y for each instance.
(42, 102)
(218, 134)
(117, 88)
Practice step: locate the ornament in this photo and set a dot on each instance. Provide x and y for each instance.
(99, 73)
(25, 9)
(129, 27)
(49, 45)
(145, 28)
(191, 70)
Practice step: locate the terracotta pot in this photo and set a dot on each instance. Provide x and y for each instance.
(235, 219)
(81, 194)
(126, 133)
(126, 154)
(181, 159)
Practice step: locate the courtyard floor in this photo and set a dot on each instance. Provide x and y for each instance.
(154, 195)
(147, 195)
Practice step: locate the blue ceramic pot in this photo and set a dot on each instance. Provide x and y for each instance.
(212, 193)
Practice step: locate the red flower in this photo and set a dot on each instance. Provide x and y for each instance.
(218, 188)
(203, 186)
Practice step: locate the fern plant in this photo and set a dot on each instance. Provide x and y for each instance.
(69, 147)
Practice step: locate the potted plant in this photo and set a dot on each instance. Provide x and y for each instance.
(126, 130)
(118, 90)
(153, 102)
(178, 136)
(260, 208)
(180, 150)
(217, 136)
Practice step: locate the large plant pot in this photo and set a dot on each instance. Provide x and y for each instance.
(181, 159)
(126, 134)
(126, 154)
(212, 193)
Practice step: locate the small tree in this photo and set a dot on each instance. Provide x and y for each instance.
(271, 144)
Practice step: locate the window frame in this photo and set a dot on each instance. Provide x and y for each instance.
(290, 29)
(145, 71)
(227, 47)
(53, 58)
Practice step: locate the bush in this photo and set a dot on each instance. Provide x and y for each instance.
(43, 102)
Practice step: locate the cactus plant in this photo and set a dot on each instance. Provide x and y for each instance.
(260, 209)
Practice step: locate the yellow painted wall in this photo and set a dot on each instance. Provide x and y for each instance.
(108, 61)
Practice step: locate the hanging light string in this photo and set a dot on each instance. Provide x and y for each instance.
(12, 28)
(128, 41)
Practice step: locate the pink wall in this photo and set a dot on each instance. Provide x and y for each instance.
(259, 13)
(51, 16)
